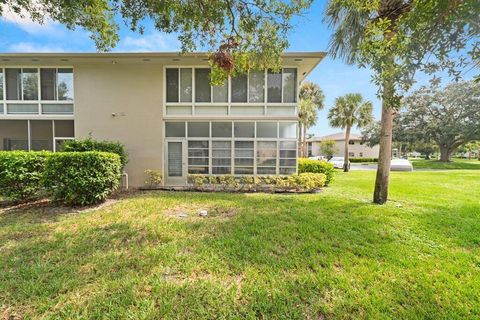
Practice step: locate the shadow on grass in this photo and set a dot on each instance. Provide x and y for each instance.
(290, 256)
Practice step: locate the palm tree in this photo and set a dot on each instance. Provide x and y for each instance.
(349, 26)
(350, 110)
(311, 101)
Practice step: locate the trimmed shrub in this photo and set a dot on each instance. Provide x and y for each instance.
(82, 178)
(299, 182)
(90, 144)
(21, 174)
(317, 166)
(154, 177)
(358, 160)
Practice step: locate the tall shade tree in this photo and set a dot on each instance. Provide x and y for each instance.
(239, 34)
(398, 38)
(350, 110)
(311, 101)
(448, 116)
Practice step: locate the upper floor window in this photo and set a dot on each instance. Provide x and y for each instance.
(184, 85)
(56, 84)
(30, 84)
(1, 84)
(21, 84)
(36, 91)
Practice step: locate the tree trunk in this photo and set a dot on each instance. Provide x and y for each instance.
(305, 149)
(346, 167)
(380, 193)
(300, 141)
(445, 153)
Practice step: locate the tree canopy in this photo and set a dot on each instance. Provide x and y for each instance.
(448, 116)
(240, 34)
(398, 38)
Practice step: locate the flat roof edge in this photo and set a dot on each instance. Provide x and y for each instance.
(318, 54)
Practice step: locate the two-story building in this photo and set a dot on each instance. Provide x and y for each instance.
(357, 147)
(160, 106)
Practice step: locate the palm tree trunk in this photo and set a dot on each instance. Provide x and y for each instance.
(380, 193)
(305, 152)
(347, 142)
(300, 140)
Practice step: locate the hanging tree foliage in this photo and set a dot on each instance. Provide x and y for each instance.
(239, 34)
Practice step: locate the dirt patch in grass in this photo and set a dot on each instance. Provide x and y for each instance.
(189, 212)
(45, 209)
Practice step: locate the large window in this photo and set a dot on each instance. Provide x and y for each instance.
(56, 84)
(198, 157)
(238, 147)
(35, 134)
(202, 85)
(274, 86)
(288, 157)
(256, 86)
(244, 157)
(36, 91)
(266, 157)
(1, 85)
(221, 157)
(239, 88)
(188, 92)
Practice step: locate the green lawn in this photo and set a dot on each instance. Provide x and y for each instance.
(314, 256)
(473, 164)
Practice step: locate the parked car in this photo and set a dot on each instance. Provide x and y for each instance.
(401, 165)
(321, 158)
(338, 162)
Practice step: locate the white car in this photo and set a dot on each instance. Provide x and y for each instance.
(321, 158)
(401, 165)
(338, 162)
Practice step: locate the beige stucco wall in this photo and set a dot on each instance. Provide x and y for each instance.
(134, 93)
(356, 148)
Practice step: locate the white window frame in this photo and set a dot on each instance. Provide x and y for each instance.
(265, 104)
(39, 102)
(232, 140)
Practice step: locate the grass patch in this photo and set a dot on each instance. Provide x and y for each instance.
(455, 164)
(309, 256)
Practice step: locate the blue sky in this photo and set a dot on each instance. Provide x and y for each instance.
(310, 34)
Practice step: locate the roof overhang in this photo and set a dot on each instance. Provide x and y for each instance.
(304, 61)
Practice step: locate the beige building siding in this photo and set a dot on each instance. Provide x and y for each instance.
(120, 97)
(133, 92)
(358, 149)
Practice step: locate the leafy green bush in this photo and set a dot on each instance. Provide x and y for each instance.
(358, 160)
(317, 166)
(90, 144)
(299, 182)
(154, 177)
(21, 173)
(307, 181)
(81, 178)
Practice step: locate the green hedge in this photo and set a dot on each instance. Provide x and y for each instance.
(300, 182)
(317, 166)
(358, 160)
(90, 144)
(82, 178)
(21, 174)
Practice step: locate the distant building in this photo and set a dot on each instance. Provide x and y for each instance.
(357, 148)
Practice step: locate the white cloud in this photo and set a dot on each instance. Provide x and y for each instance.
(25, 22)
(33, 47)
(148, 43)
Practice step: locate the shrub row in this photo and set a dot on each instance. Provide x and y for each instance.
(74, 178)
(89, 144)
(317, 166)
(304, 182)
(358, 160)
(21, 174)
